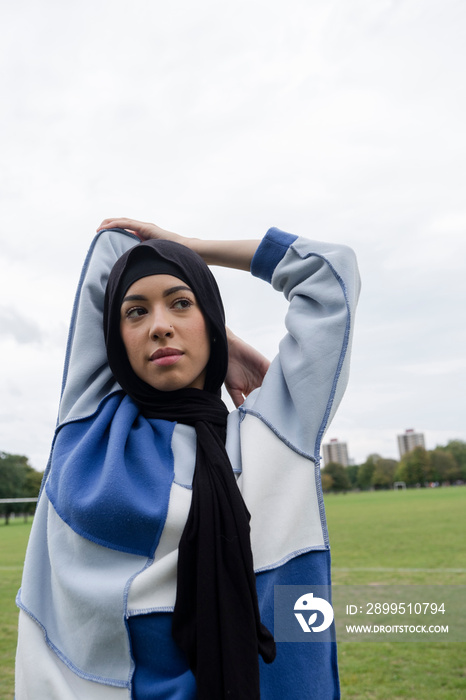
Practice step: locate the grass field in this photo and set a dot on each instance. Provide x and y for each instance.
(13, 541)
(404, 537)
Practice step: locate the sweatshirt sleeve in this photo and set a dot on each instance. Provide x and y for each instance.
(306, 381)
(87, 378)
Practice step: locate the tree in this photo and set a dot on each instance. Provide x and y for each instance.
(17, 480)
(415, 467)
(457, 449)
(352, 473)
(444, 466)
(366, 471)
(338, 473)
(384, 473)
(327, 482)
(31, 488)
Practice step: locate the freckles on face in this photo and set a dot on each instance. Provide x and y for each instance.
(165, 333)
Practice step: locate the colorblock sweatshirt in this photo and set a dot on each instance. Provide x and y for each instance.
(99, 580)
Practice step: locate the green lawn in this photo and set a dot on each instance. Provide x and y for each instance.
(417, 534)
(404, 537)
(13, 541)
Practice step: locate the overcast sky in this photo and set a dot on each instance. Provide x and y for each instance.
(339, 120)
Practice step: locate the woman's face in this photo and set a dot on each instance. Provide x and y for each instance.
(165, 333)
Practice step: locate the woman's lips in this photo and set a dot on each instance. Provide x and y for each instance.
(166, 356)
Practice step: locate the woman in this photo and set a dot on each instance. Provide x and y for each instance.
(137, 580)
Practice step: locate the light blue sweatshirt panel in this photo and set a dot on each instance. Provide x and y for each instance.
(76, 591)
(87, 378)
(306, 381)
(183, 446)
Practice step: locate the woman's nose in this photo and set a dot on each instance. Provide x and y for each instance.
(161, 326)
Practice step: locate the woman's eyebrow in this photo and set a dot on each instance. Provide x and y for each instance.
(165, 293)
(134, 297)
(173, 290)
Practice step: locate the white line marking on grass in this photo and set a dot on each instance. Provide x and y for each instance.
(382, 568)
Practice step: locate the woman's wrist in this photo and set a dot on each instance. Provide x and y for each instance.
(234, 254)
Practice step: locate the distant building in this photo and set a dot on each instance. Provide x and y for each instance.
(409, 440)
(335, 451)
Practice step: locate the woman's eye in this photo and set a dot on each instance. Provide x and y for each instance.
(135, 312)
(182, 304)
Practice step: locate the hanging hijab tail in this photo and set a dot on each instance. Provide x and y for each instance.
(216, 619)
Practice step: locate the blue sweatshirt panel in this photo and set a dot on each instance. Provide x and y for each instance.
(164, 675)
(111, 476)
(301, 671)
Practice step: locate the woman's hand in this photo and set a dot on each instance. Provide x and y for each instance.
(235, 254)
(143, 230)
(246, 368)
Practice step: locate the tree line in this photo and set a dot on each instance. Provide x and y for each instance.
(443, 465)
(420, 467)
(17, 480)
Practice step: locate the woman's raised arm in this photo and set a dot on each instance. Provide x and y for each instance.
(246, 367)
(234, 254)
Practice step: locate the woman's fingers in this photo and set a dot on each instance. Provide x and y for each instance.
(141, 228)
(236, 396)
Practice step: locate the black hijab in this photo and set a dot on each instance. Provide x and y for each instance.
(216, 619)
